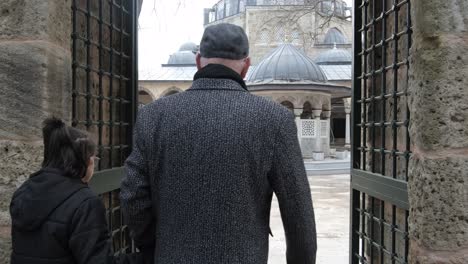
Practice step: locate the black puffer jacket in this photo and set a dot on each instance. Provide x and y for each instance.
(58, 220)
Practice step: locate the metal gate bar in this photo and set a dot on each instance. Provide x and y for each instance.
(381, 143)
(104, 84)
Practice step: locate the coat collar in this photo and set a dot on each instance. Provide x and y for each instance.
(217, 76)
(216, 84)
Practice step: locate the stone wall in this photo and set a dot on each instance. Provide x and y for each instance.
(439, 130)
(19, 160)
(35, 73)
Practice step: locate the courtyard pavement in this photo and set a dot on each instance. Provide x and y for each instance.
(330, 195)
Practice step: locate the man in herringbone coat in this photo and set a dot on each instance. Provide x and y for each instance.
(205, 164)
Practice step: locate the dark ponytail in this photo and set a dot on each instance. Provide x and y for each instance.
(66, 148)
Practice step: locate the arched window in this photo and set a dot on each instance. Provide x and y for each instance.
(307, 110)
(241, 5)
(144, 98)
(288, 105)
(340, 8)
(280, 33)
(232, 7)
(296, 36)
(170, 91)
(327, 7)
(220, 10)
(334, 36)
(264, 36)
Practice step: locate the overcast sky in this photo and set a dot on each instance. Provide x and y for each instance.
(164, 26)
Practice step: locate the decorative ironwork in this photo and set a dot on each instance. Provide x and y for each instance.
(381, 142)
(308, 128)
(104, 84)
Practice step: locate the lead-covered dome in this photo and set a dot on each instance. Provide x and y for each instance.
(334, 36)
(334, 57)
(182, 58)
(286, 64)
(189, 46)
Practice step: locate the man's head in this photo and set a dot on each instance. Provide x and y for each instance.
(225, 44)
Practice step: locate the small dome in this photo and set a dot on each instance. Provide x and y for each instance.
(189, 46)
(286, 63)
(334, 57)
(334, 36)
(182, 57)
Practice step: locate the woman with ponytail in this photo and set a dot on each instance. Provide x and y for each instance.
(56, 218)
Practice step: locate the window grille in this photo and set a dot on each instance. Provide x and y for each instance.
(308, 128)
(280, 33)
(296, 36)
(264, 36)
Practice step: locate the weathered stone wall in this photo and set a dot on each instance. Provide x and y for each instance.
(35, 73)
(439, 130)
(19, 160)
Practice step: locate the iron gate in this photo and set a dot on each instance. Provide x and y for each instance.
(381, 143)
(104, 84)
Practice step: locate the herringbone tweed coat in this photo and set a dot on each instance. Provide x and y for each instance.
(200, 178)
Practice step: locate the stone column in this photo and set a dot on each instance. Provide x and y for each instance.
(326, 141)
(297, 115)
(35, 77)
(438, 89)
(347, 109)
(318, 152)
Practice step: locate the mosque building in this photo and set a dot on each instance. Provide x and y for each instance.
(300, 51)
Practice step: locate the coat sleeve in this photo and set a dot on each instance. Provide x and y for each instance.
(291, 186)
(135, 193)
(90, 239)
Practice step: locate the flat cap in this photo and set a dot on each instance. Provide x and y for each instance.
(225, 41)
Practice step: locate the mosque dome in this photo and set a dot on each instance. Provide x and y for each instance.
(182, 58)
(334, 57)
(189, 46)
(286, 64)
(334, 36)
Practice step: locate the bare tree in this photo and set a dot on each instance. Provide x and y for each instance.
(156, 8)
(325, 12)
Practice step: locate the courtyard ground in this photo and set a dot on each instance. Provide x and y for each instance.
(330, 195)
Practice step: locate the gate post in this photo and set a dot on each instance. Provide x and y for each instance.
(438, 176)
(35, 77)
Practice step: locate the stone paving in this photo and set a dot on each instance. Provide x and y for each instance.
(330, 194)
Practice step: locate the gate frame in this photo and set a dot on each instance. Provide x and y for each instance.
(106, 182)
(384, 188)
